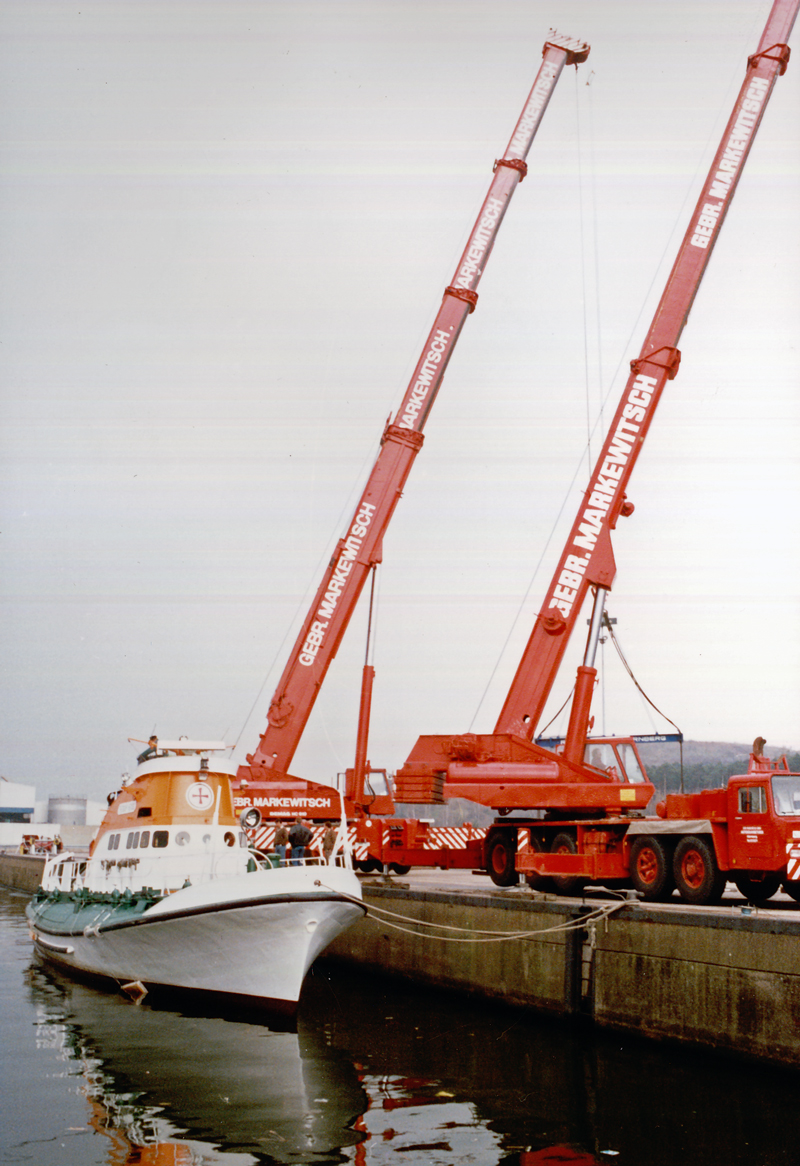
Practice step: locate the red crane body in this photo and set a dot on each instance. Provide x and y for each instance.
(360, 549)
(574, 789)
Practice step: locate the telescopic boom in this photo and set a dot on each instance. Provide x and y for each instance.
(360, 549)
(587, 559)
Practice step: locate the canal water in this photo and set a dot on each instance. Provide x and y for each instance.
(376, 1073)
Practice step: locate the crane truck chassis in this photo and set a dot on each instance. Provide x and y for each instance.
(747, 833)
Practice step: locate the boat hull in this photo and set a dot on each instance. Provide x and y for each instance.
(251, 938)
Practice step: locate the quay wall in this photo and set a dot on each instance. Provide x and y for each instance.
(715, 978)
(22, 872)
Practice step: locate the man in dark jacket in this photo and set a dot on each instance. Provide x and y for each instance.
(299, 838)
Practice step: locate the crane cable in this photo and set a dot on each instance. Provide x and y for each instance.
(629, 670)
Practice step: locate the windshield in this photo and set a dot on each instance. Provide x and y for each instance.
(604, 755)
(786, 794)
(631, 763)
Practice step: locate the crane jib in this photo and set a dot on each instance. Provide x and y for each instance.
(587, 559)
(356, 554)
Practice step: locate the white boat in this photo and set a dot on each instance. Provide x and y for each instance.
(172, 895)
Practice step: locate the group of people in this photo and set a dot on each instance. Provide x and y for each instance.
(291, 842)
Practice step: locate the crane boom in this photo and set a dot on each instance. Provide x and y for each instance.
(587, 559)
(507, 769)
(360, 549)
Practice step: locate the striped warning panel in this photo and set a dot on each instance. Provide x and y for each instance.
(454, 837)
(264, 839)
(792, 860)
(437, 838)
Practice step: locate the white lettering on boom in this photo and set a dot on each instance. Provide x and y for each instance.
(336, 584)
(427, 372)
(604, 488)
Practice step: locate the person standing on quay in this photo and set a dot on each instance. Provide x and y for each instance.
(281, 842)
(328, 841)
(299, 838)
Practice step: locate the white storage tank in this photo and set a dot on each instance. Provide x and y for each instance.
(67, 811)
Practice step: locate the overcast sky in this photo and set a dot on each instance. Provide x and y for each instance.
(226, 228)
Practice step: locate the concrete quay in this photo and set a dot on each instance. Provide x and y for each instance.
(725, 978)
(21, 872)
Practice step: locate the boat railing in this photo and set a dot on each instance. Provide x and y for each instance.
(64, 872)
(270, 859)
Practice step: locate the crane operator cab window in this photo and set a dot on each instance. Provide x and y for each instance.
(619, 761)
(630, 762)
(376, 784)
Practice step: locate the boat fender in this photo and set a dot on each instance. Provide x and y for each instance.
(135, 990)
(250, 819)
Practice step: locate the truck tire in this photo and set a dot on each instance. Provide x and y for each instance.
(501, 854)
(651, 868)
(697, 875)
(757, 890)
(566, 884)
(368, 865)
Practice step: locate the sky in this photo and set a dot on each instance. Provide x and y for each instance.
(225, 231)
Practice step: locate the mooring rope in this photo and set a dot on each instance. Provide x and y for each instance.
(480, 935)
(477, 935)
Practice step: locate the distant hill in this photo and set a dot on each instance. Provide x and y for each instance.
(705, 752)
(706, 764)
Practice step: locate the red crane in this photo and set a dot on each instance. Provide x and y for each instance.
(358, 552)
(506, 769)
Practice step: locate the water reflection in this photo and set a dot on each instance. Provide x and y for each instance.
(377, 1074)
(166, 1087)
(544, 1092)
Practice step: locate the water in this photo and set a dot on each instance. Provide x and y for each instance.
(377, 1073)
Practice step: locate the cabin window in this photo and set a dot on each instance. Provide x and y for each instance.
(144, 812)
(377, 784)
(160, 838)
(631, 764)
(601, 755)
(132, 841)
(786, 792)
(113, 841)
(145, 839)
(752, 799)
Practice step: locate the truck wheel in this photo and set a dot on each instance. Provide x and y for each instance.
(368, 865)
(501, 855)
(757, 890)
(651, 869)
(399, 868)
(792, 889)
(566, 884)
(697, 875)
